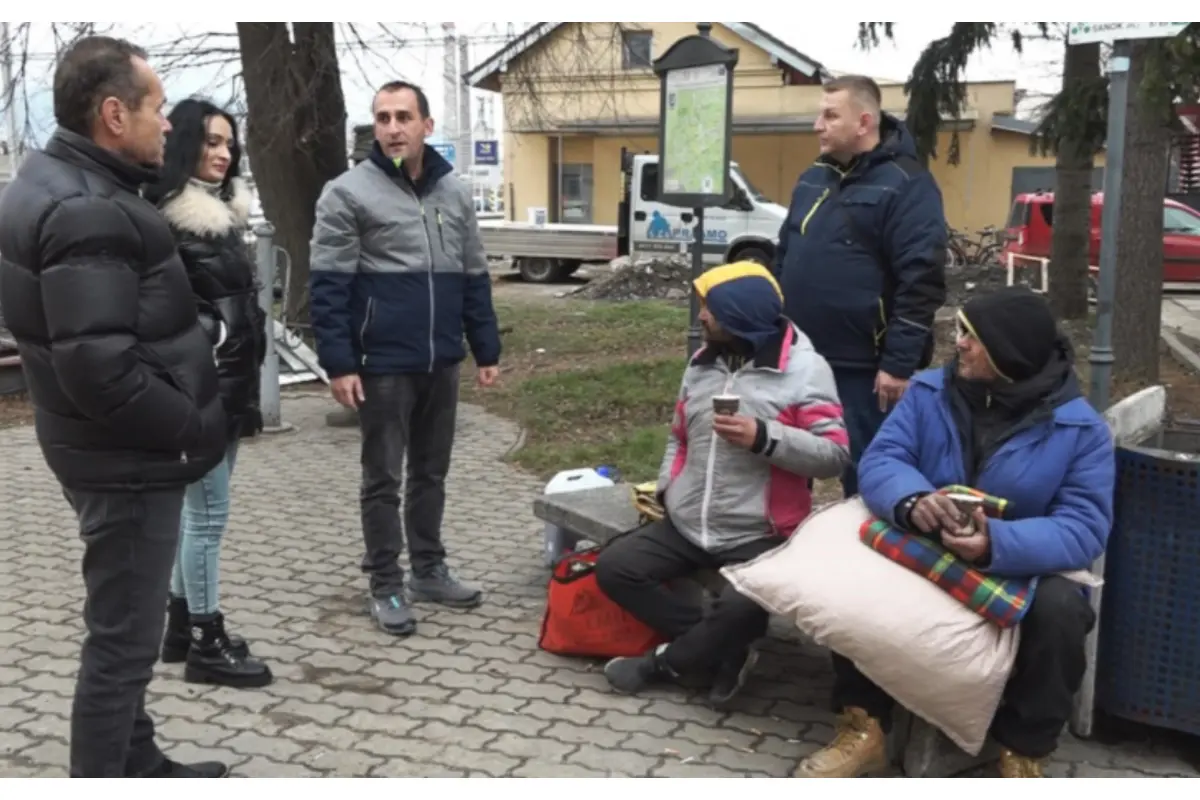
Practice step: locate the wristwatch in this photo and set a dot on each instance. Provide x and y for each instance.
(905, 509)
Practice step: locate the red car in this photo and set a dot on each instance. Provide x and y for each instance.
(1032, 217)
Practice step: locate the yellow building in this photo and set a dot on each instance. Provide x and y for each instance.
(575, 94)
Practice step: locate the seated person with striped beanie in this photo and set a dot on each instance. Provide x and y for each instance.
(734, 482)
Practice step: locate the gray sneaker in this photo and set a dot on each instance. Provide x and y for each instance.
(392, 614)
(440, 586)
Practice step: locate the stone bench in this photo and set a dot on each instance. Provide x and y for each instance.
(598, 515)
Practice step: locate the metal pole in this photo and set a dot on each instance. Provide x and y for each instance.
(268, 387)
(1100, 359)
(450, 124)
(466, 154)
(8, 95)
(695, 334)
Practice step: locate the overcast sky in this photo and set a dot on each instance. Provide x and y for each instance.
(421, 60)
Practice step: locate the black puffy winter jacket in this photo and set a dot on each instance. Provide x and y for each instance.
(209, 231)
(121, 375)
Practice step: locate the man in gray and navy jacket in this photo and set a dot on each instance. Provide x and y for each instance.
(398, 277)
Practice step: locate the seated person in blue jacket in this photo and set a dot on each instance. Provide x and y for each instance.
(733, 485)
(1006, 417)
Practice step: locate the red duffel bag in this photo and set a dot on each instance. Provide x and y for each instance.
(581, 620)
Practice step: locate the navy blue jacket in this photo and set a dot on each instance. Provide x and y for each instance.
(398, 273)
(862, 254)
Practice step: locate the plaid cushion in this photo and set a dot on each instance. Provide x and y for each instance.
(1002, 601)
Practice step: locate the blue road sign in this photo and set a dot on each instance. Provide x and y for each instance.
(487, 153)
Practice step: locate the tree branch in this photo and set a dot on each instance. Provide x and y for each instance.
(937, 85)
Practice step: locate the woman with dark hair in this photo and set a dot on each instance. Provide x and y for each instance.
(208, 207)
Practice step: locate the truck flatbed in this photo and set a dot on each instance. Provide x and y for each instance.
(545, 253)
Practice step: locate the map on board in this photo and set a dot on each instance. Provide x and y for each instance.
(694, 131)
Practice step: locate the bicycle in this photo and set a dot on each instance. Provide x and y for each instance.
(982, 251)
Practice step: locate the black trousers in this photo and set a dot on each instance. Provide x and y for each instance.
(1048, 672)
(407, 424)
(633, 571)
(129, 541)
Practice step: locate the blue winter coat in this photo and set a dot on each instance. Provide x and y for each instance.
(1058, 476)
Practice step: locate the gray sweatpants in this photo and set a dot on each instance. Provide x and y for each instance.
(409, 415)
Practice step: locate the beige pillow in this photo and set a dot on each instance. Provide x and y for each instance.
(936, 657)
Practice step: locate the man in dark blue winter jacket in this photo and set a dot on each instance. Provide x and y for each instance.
(399, 277)
(861, 257)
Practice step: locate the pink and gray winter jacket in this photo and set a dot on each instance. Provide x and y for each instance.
(719, 495)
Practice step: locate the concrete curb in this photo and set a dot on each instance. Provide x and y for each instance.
(516, 446)
(1181, 352)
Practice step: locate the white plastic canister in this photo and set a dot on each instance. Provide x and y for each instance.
(557, 541)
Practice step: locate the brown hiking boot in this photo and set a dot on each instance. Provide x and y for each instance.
(1015, 766)
(858, 749)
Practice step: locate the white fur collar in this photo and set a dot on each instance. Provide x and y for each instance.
(197, 211)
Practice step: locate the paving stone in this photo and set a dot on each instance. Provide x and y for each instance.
(614, 762)
(501, 722)
(259, 767)
(537, 769)
(469, 694)
(736, 758)
(401, 768)
(521, 745)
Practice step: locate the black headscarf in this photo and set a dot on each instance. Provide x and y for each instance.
(1036, 363)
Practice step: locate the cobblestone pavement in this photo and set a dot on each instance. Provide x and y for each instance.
(470, 694)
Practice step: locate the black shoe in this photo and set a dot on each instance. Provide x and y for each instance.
(630, 675)
(731, 677)
(177, 639)
(212, 659)
(173, 769)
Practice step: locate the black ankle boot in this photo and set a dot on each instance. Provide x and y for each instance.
(212, 658)
(177, 638)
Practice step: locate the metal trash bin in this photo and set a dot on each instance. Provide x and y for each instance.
(1148, 669)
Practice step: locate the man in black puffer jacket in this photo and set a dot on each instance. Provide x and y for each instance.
(121, 376)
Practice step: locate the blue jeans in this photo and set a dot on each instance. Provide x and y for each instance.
(860, 411)
(202, 524)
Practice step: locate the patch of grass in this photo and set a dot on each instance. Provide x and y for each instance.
(550, 332)
(616, 414)
(595, 382)
(591, 382)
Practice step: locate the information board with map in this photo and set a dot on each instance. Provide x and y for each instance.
(695, 131)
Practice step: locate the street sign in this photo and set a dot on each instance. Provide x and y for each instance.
(446, 150)
(695, 139)
(1089, 32)
(696, 122)
(487, 152)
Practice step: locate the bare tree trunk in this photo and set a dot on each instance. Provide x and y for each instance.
(1073, 202)
(296, 131)
(1137, 317)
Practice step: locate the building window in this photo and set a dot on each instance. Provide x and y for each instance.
(636, 49)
